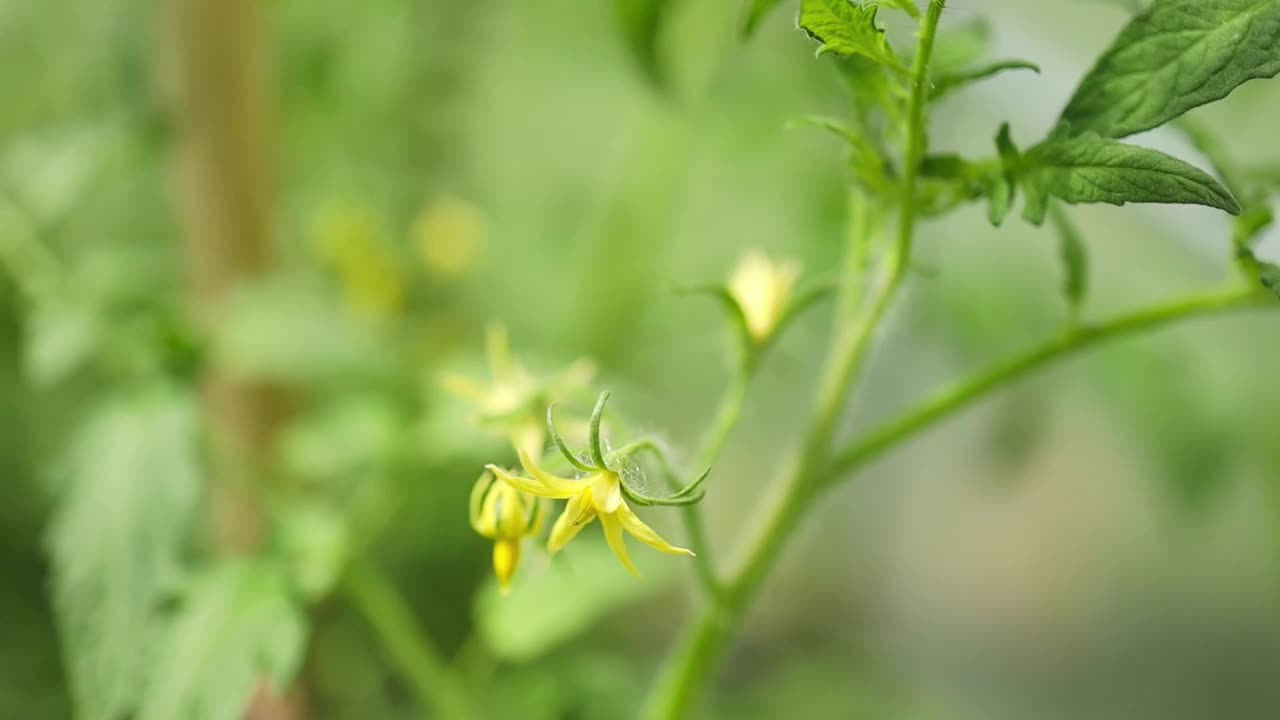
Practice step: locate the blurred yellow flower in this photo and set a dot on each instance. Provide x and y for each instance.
(598, 494)
(513, 403)
(448, 234)
(762, 287)
(346, 239)
(506, 516)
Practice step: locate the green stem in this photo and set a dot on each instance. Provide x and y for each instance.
(405, 642)
(726, 419)
(965, 392)
(699, 651)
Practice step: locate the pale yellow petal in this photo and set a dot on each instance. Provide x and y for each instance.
(465, 388)
(613, 534)
(607, 489)
(506, 558)
(474, 505)
(570, 486)
(534, 487)
(498, 348)
(527, 437)
(512, 518)
(578, 513)
(646, 534)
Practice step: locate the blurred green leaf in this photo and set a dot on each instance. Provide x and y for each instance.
(583, 585)
(1269, 275)
(756, 13)
(1005, 186)
(287, 328)
(1177, 56)
(64, 337)
(641, 22)
(906, 6)
(1074, 256)
(313, 541)
(237, 627)
(1092, 169)
(845, 28)
(1252, 223)
(339, 441)
(116, 538)
(945, 84)
(960, 46)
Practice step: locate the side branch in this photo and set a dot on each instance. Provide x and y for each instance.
(964, 392)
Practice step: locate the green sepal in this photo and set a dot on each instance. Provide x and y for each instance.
(597, 450)
(561, 446)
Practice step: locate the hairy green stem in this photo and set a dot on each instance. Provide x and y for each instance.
(698, 652)
(965, 392)
(405, 642)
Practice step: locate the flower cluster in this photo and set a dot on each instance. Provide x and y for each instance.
(597, 492)
(509, 506)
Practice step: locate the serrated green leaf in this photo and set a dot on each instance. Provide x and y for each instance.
(945, 84)
(1092, 169)
(236, 628)
(131, 486)
(846, 28)
(1075, 259)
(641, 23)
(757, 12)
(1172, 57)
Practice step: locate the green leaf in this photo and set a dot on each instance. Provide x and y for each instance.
(907, 6)
(1075, 260)
(945, 84)
(322, 341)
(1175, 56)
(1001, 195)
(758, 10)
(948, 180)
(1092, 169)
(1269, 274)
(116, 539)
(864, 158)
(641, 23)
(550, 606)
(237, 627)
(845, 28)
(961, 46)
(1251, 223)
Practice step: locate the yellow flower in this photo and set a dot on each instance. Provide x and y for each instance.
(596, 495)
(512, 403)
(762, 287)
(448, 234)
(506, 516)
(347, 239)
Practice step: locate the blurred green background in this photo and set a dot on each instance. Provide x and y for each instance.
(1098, 542)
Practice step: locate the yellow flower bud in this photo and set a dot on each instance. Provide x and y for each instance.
(762, 287)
